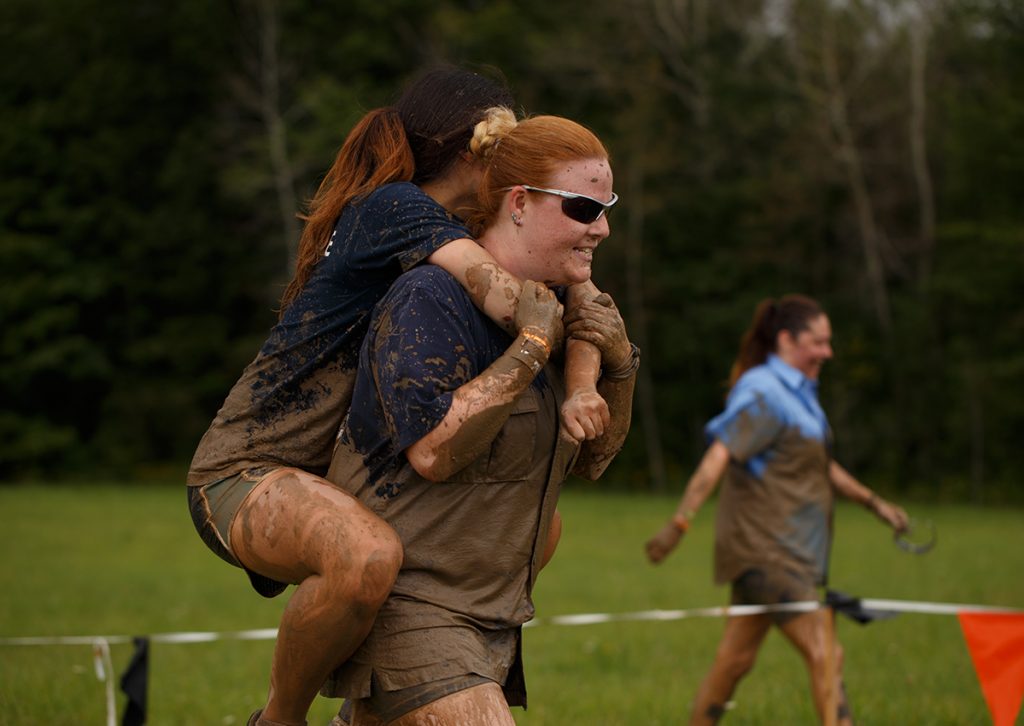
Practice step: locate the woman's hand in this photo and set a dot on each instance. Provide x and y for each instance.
(585, 415)
(889, 513)
(598, 321)
(660, 545)
(539, 310)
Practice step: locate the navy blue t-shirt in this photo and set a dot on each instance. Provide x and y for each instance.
(426, 340)
(394, 229)
(287, 406)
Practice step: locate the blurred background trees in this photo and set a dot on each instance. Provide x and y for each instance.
(866, 153)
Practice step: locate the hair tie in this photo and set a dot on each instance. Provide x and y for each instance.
(498, 123)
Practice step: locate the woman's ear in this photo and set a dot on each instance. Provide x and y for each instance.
(783, 342)
(516, 204)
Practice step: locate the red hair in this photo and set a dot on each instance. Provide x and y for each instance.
(529, 153)
(415, 140)
(375, 152)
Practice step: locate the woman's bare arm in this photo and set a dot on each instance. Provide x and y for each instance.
(848, 486)
(480, 407)
(496, 292)
(597, 321)
(493, 290)
(585, 413)
(702, 483)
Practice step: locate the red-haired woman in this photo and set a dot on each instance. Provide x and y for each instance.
(453, 435)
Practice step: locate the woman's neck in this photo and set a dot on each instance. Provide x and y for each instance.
(500, 241)
(454, 190)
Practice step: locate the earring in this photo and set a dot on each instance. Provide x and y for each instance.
(516, 219)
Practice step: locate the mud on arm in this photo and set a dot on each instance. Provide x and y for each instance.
(496, 292)
(585, 414)
(492, 289)
(597, 322)
(481, 407)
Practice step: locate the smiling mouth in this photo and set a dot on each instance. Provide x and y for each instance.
(585, 252)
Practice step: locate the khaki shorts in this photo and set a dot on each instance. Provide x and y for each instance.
(773, 586)
(213, 507)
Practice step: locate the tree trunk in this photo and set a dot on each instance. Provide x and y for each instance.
(849, 157)
(276, 129)
(638, 322)
(919, 149)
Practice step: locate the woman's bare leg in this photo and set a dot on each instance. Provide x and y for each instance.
(299, 528)
(811, 633)
(736, 654)
(554, 534)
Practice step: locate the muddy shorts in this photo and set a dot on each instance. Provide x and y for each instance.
(391, 705)
(213, 506)
(772, 586)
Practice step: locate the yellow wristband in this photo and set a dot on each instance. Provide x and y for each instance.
(681, 523)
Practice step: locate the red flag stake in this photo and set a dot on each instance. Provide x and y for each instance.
(996, 644)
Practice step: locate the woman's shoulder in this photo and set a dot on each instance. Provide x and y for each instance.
(757, 384)
(430, 280)
(758, 378)
(397, 193)
(428, 293)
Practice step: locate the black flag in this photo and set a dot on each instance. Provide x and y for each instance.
(134, 683)
(851, 607)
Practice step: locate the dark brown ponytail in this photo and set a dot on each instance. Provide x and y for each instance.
(792, 313)
(417, 139)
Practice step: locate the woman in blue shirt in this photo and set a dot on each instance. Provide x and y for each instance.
(773, 527)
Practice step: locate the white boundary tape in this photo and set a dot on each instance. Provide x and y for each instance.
(804, 606)
(892, 606)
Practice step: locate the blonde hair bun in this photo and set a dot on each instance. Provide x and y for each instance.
(497, 124)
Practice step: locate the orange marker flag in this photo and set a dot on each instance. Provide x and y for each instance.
(996, 644)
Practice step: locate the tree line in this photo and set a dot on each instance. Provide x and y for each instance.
(155, 156)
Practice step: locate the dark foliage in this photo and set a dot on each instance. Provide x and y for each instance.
(154, 156)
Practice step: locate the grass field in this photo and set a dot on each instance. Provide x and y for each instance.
(111, 560)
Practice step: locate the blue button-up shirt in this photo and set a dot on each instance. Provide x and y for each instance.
(775, 506)
(782, 397)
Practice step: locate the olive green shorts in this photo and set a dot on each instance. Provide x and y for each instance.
(213, 506)
(773, 586)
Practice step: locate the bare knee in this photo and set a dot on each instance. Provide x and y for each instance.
(369, 571)
(820, 660)
(380, 569)
(353, 556)
(735, 665)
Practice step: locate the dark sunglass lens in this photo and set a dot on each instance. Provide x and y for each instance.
(583, 210)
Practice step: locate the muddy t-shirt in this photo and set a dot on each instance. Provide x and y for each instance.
(286, 407)
(472, 543)
(775, 507)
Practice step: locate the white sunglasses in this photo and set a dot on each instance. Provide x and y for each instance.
(579, 207)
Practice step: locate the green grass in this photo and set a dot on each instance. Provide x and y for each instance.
(113, 560)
